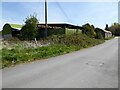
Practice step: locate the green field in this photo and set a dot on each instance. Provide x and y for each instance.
(16, 26)
(72, 31)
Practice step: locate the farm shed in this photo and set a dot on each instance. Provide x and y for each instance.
(104, 33)
(15, 32)
(56, 28)
(9, 32)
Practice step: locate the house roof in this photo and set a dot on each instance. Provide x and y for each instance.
(98, 29)
(106, 31)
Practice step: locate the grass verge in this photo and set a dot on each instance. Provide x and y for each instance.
(110, 38)
(58, 45)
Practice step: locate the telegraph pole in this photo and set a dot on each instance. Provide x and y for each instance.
(45, 18)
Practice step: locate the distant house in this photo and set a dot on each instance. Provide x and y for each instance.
(55, 28)
(107, 34)
(104, 33)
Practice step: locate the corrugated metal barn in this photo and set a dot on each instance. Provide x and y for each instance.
(55, 29)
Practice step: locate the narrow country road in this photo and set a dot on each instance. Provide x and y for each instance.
(95, 67)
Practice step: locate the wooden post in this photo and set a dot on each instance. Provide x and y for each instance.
(45, 18)
(36, 42)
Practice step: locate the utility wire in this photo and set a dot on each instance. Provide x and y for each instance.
(64, 13)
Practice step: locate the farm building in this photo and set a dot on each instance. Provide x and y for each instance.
(15, 32)
(102, 33)
(52, 29)
(9, 31)
(56, 28)
(107, 34)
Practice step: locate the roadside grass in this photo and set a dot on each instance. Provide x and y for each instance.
(15, 56)
(0, 59)
(59, 44)
(110, 38)
(0, 32)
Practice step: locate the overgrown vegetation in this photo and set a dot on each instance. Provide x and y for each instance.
(74, 39)
(16, 55)
(115, 29)
(110, 38)
(89, 30)
(58, 45)
(0, 32)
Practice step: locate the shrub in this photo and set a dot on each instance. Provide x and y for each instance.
(81, 40)
(29, 30)
(6, 29)
(89, 30)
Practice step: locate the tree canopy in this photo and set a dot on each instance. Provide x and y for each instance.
(29, 30)
(115, 29)
(89, 30)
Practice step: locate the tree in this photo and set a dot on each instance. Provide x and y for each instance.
(115, 29)
(106, 28)
(29, 30)
(89, 30)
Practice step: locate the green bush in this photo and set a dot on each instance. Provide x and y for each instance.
(6, 29)
(89, 30)
(73, 39)
(29, 30)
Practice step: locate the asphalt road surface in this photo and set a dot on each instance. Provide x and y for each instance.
(95, 67)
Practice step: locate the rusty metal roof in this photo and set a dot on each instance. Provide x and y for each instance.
(60, 25)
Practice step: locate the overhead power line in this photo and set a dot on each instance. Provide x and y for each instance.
(64, 13)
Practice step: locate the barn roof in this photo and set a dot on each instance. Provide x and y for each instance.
(61, 25)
